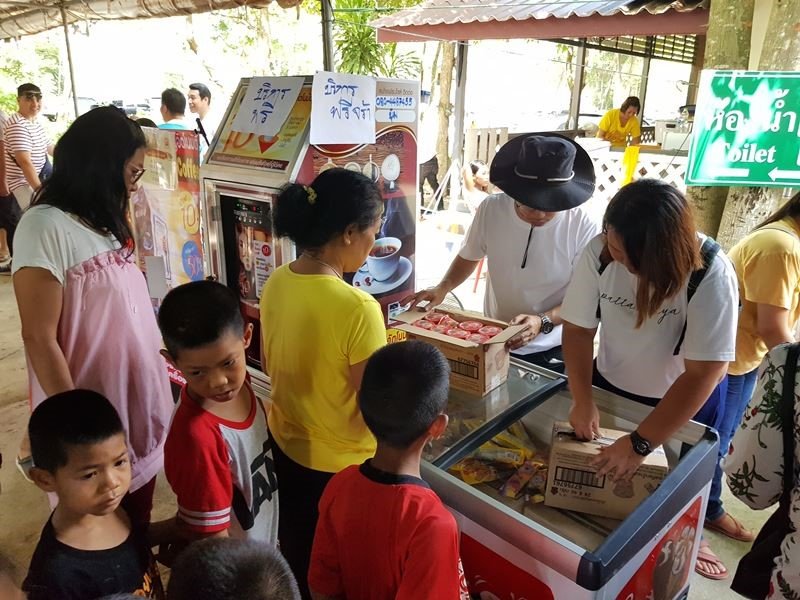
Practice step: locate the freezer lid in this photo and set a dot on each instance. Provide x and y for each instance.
(469, 414)
(606, 546)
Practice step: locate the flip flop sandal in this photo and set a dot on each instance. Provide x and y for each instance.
(740, 533)
(704, 554)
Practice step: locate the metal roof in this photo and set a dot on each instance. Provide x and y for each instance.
(450, 12)
(25, 17)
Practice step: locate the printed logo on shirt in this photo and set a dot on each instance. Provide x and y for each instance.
(264, 485)
(628, 304)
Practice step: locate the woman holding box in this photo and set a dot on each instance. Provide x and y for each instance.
(667, 299)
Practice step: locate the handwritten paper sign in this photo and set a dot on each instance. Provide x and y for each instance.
(342, 109)
(266, 104)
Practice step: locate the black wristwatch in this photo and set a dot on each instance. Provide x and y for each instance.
(547, 324)
(640, 445)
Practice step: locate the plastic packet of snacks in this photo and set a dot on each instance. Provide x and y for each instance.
(517, 482)
(474, 471)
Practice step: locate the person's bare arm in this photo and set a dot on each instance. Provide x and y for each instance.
(533, 327)
(578, 347)
(772, 325)
(687, 395)
(23, 159)
(601, 134)
(683, 399)
(39, 298)
(459, 270)
(469, 180)
(637, 140)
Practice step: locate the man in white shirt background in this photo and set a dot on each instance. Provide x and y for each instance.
(532, 235)
(200, 104)
(26, 145)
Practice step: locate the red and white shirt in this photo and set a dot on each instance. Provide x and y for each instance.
(222, 471)
(23, 135)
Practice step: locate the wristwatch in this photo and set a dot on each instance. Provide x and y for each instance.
(547, 324)
(640, 445)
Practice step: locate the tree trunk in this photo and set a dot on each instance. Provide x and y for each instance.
(448, 55)
(730, 25)
(747, 207)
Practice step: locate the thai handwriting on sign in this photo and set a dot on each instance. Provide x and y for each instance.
(343, 108)
(269, 97)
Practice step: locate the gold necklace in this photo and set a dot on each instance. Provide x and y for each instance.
(323, 263)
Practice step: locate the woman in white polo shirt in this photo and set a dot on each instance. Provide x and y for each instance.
(660, 344)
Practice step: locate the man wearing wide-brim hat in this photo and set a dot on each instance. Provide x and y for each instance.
(531, 235)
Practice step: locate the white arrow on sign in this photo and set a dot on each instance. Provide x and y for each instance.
(777, 173)
(729, 172)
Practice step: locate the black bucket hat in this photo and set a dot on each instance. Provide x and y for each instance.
(545, 171)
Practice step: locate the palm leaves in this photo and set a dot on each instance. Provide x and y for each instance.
(357, 47)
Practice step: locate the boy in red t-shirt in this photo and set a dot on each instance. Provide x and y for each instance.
(217, 457)
(382, 532)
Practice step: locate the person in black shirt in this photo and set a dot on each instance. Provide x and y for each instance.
(87, 549)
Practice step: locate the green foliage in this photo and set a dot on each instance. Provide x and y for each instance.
(267, 40)
(607, 75)
(357, 47)
(50, 68)
(401, 65)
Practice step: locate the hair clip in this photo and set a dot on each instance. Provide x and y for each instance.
(312, 194)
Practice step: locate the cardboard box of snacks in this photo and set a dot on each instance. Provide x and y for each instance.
(473, 344)
(573, 484)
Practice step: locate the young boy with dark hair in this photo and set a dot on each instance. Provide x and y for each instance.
(217, 456)
(87, 548)
(229, 569)
(382, 532)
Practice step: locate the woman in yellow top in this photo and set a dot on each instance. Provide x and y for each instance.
(618, 123)
(318, 333)
(767, 266)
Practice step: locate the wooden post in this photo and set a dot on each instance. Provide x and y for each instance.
(577, 87)
(69, 59)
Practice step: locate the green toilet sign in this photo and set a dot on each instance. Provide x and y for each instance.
(746, 130)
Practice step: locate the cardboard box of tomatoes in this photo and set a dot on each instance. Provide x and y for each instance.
(473, 344)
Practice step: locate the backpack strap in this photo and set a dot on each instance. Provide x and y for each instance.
(708, 251)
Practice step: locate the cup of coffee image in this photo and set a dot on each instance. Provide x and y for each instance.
(384, 258)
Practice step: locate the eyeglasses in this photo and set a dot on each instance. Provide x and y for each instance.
(32, 95)
(137, 175)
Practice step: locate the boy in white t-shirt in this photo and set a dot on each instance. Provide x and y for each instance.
(531, 235)
(217, 456)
